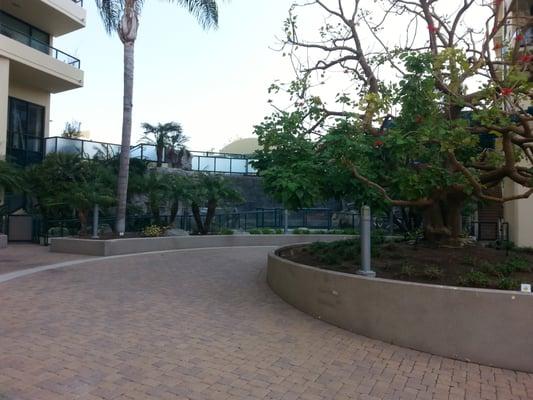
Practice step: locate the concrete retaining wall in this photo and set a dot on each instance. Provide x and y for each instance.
(490, 327)
(142, 245)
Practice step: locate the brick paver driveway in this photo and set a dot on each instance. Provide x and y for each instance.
(204, 325)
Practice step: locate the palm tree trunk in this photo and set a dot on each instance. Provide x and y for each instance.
(122, 183)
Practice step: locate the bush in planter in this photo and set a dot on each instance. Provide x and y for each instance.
(153, 231)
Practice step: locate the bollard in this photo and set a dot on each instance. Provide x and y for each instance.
(95, 222)
(365, 243)
(285, 221)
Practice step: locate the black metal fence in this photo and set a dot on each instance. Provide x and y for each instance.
(274, 219)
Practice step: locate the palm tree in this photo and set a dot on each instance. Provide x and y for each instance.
(169, 135)
(122, 16)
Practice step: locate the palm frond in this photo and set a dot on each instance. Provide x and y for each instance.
(205, 11)
(111, 12)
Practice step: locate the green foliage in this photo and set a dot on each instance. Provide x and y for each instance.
(153, 231)
(11, 178)
(72, 130)
(335, 253)
(432, 272)
(225, 231)
(407, 271)
(64, 184)
(474, 279)
(164, 136)
(210, 191)
(301, 231)
(507, 283)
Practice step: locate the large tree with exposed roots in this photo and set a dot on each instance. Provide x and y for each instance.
(409, 101)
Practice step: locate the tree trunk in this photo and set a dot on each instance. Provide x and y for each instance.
(211, 209)
(82, 216)
(442, 223)
(123, 172)
(198, 218)
(127, 32)
(159, 155)
(174, 211)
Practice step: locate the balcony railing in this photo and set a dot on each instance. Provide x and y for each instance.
(222, 163)
(39, 45)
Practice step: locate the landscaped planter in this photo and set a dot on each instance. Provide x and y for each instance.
(490, 327)
(141, 245)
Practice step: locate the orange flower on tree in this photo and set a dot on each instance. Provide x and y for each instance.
(378, 143)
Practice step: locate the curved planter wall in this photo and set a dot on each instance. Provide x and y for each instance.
(142, 245)
(490, 327)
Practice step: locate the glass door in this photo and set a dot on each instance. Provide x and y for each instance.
(25, 131)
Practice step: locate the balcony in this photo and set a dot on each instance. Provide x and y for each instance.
(39, 45)
(56, 17)
(220, 163)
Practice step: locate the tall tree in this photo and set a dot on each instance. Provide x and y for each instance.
(122, 17)
(462, 122)
(168, 135)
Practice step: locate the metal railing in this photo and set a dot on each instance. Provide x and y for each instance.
(223, 163)
(39, 45)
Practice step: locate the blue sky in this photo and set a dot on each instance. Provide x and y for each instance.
(215, 82)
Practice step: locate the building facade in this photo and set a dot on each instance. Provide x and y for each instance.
(519, 213)
(31, 69)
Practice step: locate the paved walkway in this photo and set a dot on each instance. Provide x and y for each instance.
(204, 325)
(19, 256)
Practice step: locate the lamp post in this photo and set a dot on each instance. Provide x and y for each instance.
(95, 221)
(365, 238)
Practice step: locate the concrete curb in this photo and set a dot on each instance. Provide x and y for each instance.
(490, 327)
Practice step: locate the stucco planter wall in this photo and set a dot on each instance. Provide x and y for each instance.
(489, 327)
(142, 245)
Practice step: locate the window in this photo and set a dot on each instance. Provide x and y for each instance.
(25, 131)
(22, 32)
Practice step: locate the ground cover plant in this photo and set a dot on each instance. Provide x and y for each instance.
(469, 266)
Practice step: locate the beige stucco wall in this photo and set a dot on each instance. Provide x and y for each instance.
(519, 215)
(490, 327)
(43, 70)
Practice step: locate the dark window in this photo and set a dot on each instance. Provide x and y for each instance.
(25, 33)
(25, 131)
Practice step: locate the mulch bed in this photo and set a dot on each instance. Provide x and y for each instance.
(472, 265)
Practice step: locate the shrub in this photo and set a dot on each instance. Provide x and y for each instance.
(225, 231)
(475, 279)
(407, 271)
(255, 231)
(301, 231)
(432, 272)
(267, 231)
(279, 231)
(153, 231)
(58, 232)
(506, 283)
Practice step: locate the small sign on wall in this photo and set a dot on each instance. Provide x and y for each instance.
(525, 287)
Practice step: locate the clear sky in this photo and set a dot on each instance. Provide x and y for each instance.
(214, 83)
